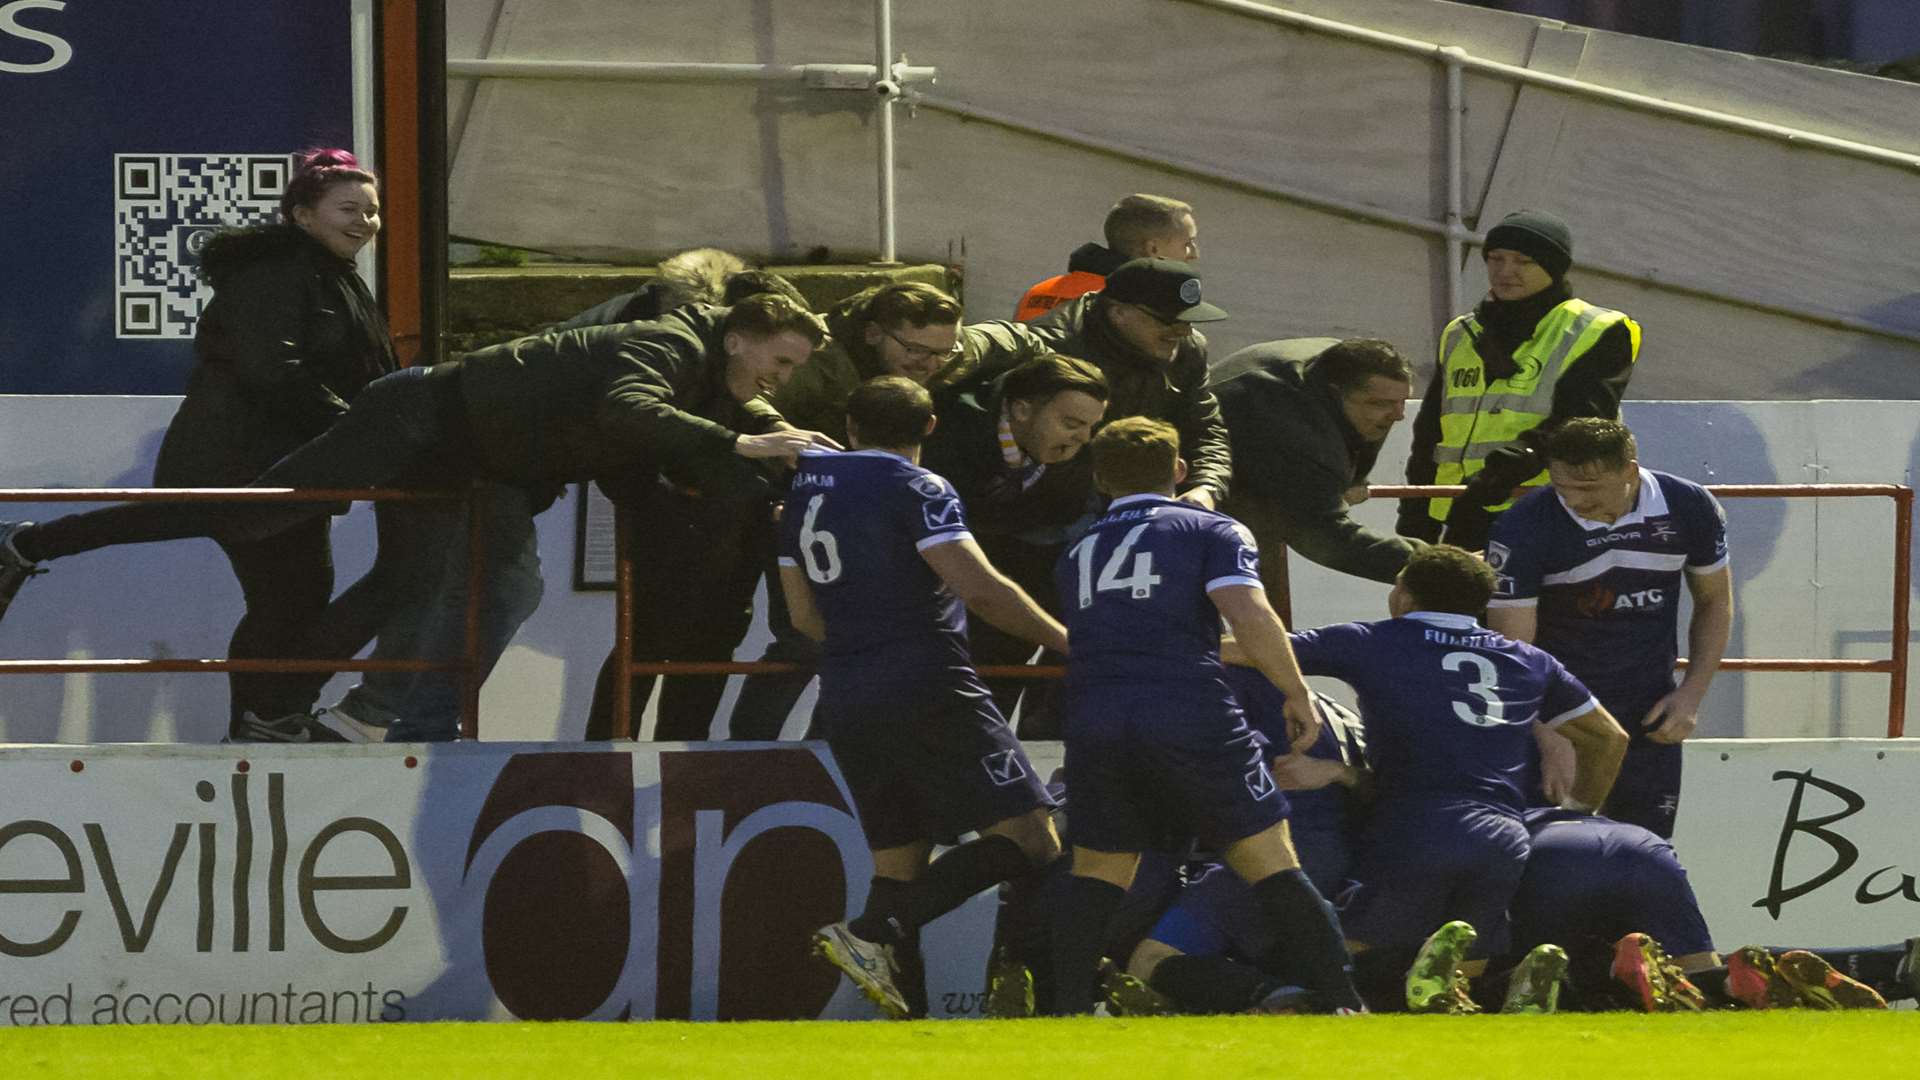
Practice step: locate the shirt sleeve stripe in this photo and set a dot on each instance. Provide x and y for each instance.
(943, 538)
(1711, 568)
(1518, 601)
(788, 560)
(1233, 579)
(1591, 704)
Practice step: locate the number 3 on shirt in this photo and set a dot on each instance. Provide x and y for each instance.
(1482, 683)
(1140, 578)
(818, 549)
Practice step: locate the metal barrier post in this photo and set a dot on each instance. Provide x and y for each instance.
(1279, 584)
(1902, 599)
(470, 674)
(623, 722)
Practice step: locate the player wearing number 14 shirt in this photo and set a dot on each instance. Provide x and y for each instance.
(1449, 709)
(876, 562)
(1157, 750)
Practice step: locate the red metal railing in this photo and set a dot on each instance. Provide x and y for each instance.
(1894, 666)
(467, 664)
(626, 667)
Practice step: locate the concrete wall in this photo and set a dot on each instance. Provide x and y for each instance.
(1221, 108)
(1812, 579)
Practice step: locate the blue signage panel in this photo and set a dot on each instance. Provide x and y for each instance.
(128, 132)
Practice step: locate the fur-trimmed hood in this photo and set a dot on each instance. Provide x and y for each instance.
(230, 249)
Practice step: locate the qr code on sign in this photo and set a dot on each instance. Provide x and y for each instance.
(165, 207)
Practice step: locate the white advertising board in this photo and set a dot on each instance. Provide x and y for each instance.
(491, 881)
(250, 884)
(1802, 841)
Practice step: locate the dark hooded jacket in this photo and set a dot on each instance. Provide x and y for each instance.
(291, 336)
(1142, 385)
(601, 401)
(1294, 456)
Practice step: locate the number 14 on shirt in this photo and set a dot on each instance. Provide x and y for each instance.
(1139, 577)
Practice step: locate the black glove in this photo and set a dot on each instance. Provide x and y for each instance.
(1485, 489)
(1415, 522)
(1505, 469)
(1468, 525)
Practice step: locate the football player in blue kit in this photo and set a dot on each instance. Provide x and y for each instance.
(1211, 950)
(877, 564)
(1591, 883)
(1616, 897)
(1156, 747)
(1590, 571)
(1449, 709)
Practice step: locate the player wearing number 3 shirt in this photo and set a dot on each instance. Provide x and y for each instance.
(1449, 709)
(876, 563)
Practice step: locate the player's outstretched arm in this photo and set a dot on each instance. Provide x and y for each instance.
(1262, 638)
(992, 595)
(801, 610)
(1673, 717)
(1519, 622)
(1599, 746)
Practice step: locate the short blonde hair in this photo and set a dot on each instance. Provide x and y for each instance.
(1135, 455)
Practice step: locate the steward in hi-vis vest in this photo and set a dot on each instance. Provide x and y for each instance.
(1528, 358)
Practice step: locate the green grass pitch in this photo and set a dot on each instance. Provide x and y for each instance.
(1614, 1046)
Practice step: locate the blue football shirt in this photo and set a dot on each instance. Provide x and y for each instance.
(1608, 595)
(1447, 705)
(857, 522)
(1134, 591)
(1341, 739)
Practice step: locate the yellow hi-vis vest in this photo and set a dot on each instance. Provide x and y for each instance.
(1478, 417)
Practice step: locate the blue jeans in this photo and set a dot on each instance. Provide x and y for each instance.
(432, 623)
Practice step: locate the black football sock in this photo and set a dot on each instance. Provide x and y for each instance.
(912, 979)
(948, 882)
(883, 895)
(1079, 933)
(1712, 982)
(1489, 991)
(1381, 975)
(1211, 984)
(1310, 935)
(1021, 925)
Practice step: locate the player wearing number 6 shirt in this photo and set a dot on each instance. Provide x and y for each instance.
(1591, 572)
(1449, 709)
(876, 563)
(1157, 750)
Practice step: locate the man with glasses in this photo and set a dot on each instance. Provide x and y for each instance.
(909, 329)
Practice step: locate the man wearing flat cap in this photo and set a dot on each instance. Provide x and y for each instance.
(1139, 331)
(1530, 357)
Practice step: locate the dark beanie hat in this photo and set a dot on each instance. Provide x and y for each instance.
(1539, 236)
